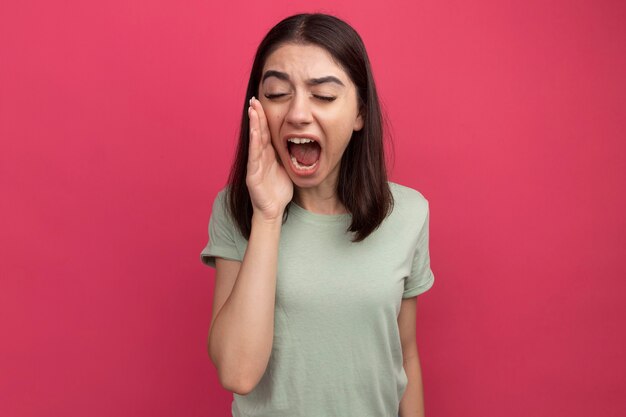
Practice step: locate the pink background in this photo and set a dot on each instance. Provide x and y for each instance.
(118, 122)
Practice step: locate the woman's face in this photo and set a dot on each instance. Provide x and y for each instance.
(311, 109)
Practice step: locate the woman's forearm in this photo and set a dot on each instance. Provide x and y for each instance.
(240, 340)
(412, 403)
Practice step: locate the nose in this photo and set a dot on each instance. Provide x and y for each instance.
(299, 112)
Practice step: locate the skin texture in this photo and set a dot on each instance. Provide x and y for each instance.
(241, 333)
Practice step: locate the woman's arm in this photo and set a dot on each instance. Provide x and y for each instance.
(242, 331)
(240, 339)
(412, 403)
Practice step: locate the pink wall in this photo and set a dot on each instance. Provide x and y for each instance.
(117, 127)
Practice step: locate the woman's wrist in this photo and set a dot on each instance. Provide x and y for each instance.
(267, 221)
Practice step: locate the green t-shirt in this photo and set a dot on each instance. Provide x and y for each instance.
(336, 348)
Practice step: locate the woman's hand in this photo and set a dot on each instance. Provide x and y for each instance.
(269, 185)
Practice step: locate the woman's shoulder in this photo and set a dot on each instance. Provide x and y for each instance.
(222, 193)
(221, 214)
(220, 203)
(410, 210)
(407, 196)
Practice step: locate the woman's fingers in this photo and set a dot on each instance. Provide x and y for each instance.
(269, 186)
(264, 130)
(255, 148)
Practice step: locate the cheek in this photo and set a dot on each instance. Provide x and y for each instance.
(273, 119)
(343, 129)
(340, 120)
(273, 123)
(342, 136)
(274, 126)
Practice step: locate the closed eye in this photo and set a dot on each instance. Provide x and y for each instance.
(276, 96)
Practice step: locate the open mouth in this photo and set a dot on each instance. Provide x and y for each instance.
(304, 153)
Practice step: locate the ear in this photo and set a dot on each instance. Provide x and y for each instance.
(358, 122)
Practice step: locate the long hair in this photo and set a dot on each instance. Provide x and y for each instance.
(362, 185)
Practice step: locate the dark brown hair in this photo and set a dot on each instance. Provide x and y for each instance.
(362, 182)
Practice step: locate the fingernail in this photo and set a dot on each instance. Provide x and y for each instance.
(250, 101)
(253, 99)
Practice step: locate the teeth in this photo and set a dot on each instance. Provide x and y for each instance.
(300, 140)
(302, 167)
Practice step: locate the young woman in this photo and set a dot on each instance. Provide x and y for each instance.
(318, 257)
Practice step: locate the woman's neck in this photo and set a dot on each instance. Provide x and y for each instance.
(319, 201)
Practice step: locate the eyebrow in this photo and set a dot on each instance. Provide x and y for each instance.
(312, 81)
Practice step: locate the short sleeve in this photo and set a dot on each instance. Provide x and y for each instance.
(222, 234)
(421, 277)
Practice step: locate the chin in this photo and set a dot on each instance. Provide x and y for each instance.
(308, 182)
